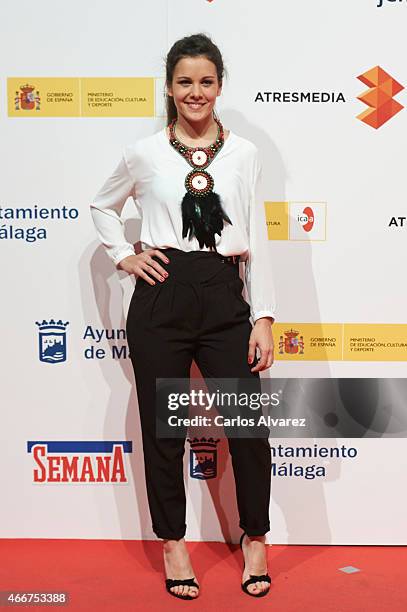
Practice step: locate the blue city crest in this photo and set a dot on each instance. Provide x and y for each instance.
(52, 341)
(203, 458)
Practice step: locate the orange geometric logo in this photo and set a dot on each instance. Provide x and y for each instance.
(379, 97)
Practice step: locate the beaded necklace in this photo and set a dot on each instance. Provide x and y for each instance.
(202, 212)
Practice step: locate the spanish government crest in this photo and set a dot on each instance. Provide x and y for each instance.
(291, 343)
(28, 98)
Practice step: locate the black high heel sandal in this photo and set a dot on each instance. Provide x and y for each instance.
(169, 582)
(253, 578)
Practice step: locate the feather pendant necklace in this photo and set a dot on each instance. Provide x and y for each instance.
(202, 212)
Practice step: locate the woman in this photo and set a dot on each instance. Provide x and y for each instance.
(196, 188)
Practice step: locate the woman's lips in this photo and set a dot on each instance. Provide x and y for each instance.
(195, 106)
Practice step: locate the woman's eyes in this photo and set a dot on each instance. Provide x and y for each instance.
(187, 82)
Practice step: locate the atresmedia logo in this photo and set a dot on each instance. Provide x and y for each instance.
(379, 97)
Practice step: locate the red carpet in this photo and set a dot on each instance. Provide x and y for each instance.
(127, 575)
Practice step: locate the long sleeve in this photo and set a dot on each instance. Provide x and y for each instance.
(258, 270)
(106, 209)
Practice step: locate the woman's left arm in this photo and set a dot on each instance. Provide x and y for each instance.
(259, 276)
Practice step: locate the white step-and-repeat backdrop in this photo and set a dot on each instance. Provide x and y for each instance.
(317, 85)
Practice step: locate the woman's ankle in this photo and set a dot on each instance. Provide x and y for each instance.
(261, 538)
(171, 544)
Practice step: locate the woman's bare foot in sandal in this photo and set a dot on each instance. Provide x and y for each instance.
(178, 566)
(254, 551)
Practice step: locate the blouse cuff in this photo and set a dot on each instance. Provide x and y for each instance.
(263, 313)
(118, 256)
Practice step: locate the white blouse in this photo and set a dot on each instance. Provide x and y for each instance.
(152, 172)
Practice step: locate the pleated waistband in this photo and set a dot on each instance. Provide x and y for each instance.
(205, 267)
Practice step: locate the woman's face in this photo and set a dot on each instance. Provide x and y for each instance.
(195, 87)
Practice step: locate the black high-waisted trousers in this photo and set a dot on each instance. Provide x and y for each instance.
(197, 313)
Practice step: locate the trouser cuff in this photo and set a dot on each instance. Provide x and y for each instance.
(167, 535)
(259, 531)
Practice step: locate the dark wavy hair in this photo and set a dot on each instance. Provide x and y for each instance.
(190, 46)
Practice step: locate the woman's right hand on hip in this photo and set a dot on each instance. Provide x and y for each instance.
(144, 265)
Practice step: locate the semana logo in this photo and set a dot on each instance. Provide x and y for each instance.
(203, 458)
(379, 97)
(52, 341)
(84, 462)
